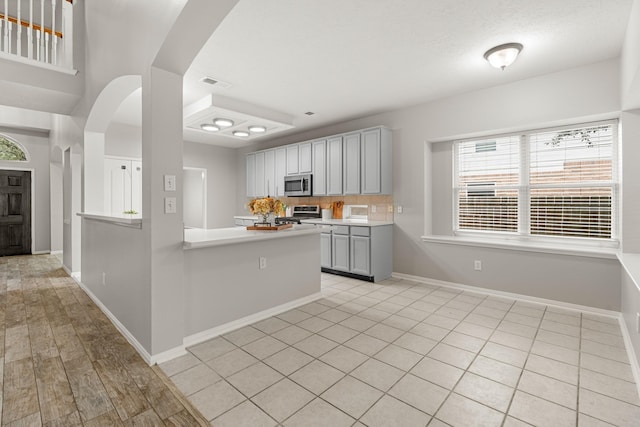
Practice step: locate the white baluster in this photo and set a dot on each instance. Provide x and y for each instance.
(41, 38)
(30, 32)
(19, 31)
(46, 48)
(54, 38)
(7, 47)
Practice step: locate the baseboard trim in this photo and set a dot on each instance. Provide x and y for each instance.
(168, 355)
(492, 292)
(631, 354)
(247, 320)
(56, 252)
(40, 252)
(123, 330)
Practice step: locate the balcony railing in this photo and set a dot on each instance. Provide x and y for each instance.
(38, 30)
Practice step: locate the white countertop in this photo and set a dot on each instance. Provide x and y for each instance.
(361, 222)
(124, 219)
(200, 238)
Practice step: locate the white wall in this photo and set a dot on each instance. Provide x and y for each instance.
(421, 179)
(37, 144)
(220, 163)
(630, 61)
(123, 140)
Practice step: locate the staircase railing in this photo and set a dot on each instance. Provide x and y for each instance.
(38, 30)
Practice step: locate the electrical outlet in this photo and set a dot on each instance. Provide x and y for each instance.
(477, 265)
(399, 209)
(262, 262)
(373, 209)
(104, 278)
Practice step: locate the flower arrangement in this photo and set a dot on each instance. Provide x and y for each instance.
(266, 206)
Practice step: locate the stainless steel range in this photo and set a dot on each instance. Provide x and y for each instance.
(300, 212)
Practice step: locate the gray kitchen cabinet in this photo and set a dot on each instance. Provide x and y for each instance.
(251, 175)
(362, 252)
(304, 157)
(261, 187)
(351, 164)
(325, 250)
(375, 162)
(340, 252)
(360, 259)
(280, 170)
(319, 170)
(334, 166)
(293, 160)
(270, 172)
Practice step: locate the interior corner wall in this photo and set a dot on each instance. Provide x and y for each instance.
(630, 306)
(221, 191)
(630, 61)
(37, 144)
(630, 189)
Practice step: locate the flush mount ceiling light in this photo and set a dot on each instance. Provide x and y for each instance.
(240, 133)
(225, 123)
(257, 129)
(209, 127)
(502, 56)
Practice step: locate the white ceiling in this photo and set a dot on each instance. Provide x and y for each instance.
(348, 59)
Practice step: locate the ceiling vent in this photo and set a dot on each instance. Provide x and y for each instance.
(214, 82)
(309, 113)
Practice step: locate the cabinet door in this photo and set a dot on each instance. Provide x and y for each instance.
(319, 168)
(334, 166)
(261, 188)
(251, 175)
(270, 172)
(351, 164)
(304, 157)
(325, 250)
(281, 171)
(370, 166)
(293, 167)
(360, 255)
(340, 252)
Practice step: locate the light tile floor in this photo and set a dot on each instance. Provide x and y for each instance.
(399, 353)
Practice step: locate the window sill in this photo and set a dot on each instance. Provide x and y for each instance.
(573, 250)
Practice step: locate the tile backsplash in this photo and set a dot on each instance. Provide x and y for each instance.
(382, 204)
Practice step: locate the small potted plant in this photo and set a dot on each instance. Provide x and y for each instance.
(266, 207)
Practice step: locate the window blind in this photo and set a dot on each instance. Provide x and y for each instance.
(556, 183)
(488, 180)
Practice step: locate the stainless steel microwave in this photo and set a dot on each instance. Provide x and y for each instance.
(297, 185)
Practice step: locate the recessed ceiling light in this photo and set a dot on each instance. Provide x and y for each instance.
(240, 133)
(209, 127)
(257, 129)
(225, 123)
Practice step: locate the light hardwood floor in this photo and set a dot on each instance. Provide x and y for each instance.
(63, 363)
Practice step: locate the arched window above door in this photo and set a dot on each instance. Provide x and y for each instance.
(11, 150)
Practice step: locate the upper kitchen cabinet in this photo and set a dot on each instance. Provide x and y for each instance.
(281, 170)
(304, 157)
(261, 182)
(351, 163)
(319, 170)
(270, 172)
(334, 166)
(293, 162)
(375, 162)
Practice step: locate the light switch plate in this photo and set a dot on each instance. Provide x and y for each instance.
(169, 183)
(170, 205)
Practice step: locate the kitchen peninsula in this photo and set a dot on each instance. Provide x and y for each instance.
(235, 276)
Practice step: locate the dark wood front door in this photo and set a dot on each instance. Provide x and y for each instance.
(15, 212)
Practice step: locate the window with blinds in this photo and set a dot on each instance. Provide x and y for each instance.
(555, 183)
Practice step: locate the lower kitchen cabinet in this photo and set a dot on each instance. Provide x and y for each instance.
(361, 252)
(325, 250)
(340, 252)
